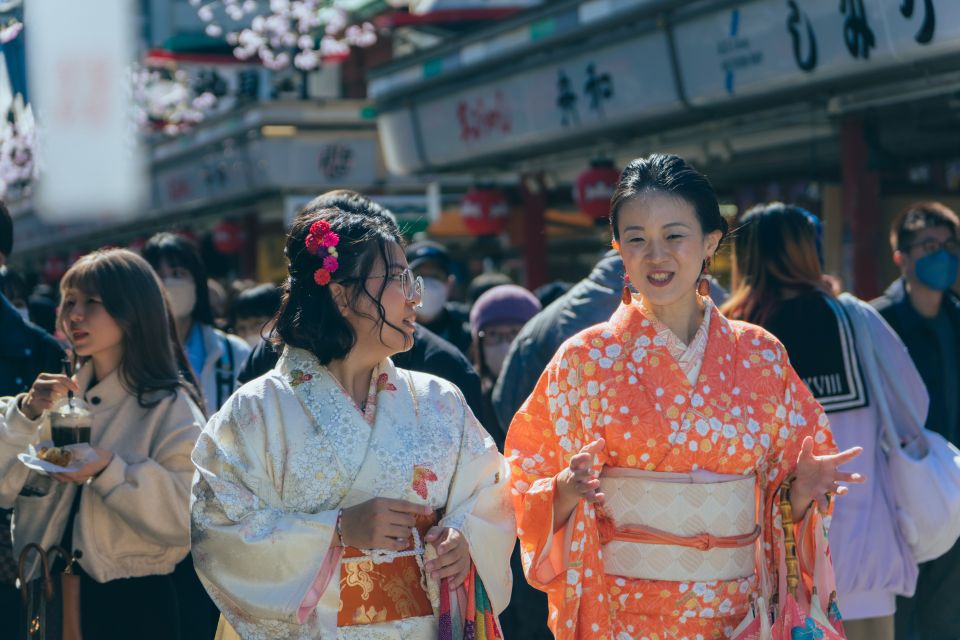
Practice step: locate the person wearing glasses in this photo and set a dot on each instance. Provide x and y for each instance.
(496, 318)
(923, 309)
(338, 495)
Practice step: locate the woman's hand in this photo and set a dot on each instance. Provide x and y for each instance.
(47, 390)
(380, 523)
(89, 470)
(579, 480)
(453, 556)
(818, 478)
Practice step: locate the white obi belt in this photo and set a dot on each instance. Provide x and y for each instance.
(684, 527)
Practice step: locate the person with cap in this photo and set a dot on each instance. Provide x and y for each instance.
(495, 321)
(26, 350)
(447, 319)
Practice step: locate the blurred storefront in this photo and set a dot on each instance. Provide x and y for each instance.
(850, 109)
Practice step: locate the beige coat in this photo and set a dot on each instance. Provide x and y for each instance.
(134, 517)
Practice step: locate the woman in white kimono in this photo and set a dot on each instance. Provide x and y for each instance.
(324, 483)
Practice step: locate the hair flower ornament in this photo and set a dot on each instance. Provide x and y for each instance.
(322, 240)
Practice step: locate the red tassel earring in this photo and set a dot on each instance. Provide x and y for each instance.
(703, 286)
(626, 298)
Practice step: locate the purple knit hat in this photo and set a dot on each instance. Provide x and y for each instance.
(503, 304)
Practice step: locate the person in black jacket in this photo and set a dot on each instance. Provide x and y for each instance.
(925, 312)
(430, 353)
(26, 350)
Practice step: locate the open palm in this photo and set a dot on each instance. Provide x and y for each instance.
(818, 477)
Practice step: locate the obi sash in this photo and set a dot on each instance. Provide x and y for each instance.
(685, 527)
(374, 591)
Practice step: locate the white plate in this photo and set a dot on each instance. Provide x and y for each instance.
(82, 453)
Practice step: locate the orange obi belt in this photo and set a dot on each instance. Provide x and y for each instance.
(372, 592)
(650, 535)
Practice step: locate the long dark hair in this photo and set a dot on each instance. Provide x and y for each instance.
(133, 296)
(309, 317)
(671, 175)
(775, 250)
(178, 251)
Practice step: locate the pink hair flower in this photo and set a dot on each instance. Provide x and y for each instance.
(330, 264)
(329, 239)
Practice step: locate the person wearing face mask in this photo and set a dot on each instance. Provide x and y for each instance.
(253, 311)
(495, 320)
(26, 351)
(925, 312)
(439, 314)
(215, 356)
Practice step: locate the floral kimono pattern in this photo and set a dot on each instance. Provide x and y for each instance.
(290, 448)
(746, 413)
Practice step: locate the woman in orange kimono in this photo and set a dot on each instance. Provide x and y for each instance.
(648, 464)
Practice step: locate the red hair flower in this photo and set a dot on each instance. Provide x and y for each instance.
(319, 228)
(321, 277)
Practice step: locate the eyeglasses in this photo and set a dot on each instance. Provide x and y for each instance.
(930, 245)
(499, 336)
(411, 286)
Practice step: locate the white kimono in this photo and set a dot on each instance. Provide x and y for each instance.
(291, 448)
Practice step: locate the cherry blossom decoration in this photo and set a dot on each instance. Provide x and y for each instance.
(165, 101)
(304, 32)
(18, 166)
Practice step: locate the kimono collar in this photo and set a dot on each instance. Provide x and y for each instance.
(631, 323)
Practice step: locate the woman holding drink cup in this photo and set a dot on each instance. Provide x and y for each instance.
(123, 501)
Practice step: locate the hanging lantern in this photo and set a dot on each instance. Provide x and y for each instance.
(137, 244)
(594, 188)
(485, 211)
(228, 237)
(53, 269)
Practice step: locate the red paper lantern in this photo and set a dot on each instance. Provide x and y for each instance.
(53, 269)
(228, 237)
(594, 188)
(485, 211)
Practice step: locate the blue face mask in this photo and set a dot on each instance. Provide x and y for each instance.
(938, 270)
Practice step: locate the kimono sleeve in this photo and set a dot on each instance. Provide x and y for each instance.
(478, 505)
(546, 432)
(257, 560)
(802, 416)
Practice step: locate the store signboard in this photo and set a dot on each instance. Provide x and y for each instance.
(79, 64)
(746, 49)
(584, 93)
(201, 180)
(756, 48)
(319, 164)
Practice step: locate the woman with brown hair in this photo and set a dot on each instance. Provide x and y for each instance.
(778, 284)
(339, 496)
(125, 504)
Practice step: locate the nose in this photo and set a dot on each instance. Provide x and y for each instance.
(656, 251)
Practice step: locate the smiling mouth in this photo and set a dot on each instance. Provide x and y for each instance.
(660, 278)
(77, 335)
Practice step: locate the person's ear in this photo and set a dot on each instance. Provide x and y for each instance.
(900, 258)
(339, 294)
(713, 242)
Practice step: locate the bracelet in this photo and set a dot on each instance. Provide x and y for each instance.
(339, 528)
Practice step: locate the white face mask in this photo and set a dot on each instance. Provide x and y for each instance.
(182, 294)
(494, 356)
(252, 339)
(434, 299)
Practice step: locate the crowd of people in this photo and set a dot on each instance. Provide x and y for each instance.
(353, 453)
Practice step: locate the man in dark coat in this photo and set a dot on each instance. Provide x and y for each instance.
(26, 351)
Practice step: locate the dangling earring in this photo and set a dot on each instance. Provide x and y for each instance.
(703, 287)
(626, 298)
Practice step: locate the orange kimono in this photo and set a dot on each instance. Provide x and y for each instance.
(747, 413)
